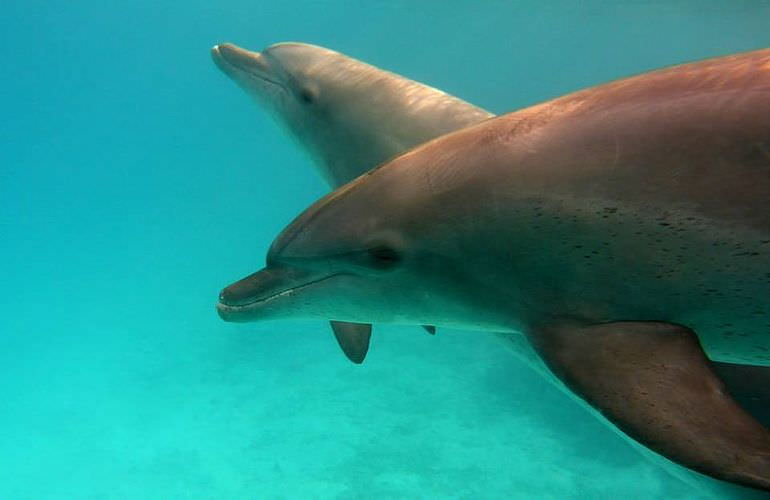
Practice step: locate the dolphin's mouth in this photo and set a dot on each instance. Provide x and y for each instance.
(242, 300)
(274, 295)
(232, 59)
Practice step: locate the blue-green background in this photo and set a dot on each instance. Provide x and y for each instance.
(136, 181)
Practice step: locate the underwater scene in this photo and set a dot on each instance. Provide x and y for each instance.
(153, 154)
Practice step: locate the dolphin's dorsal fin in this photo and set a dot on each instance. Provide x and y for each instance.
(430, 329)
(353, 339)
(656, 384)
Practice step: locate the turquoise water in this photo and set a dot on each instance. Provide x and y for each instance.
(136, 181)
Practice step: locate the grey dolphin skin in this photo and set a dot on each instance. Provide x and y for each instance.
(610, 226)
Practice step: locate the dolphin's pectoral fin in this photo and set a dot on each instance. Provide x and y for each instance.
(656, 384)
(430, 329)
(353, 339)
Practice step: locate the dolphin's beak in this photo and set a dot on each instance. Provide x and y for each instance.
(254, 297)
(229, 55)
(242, 65)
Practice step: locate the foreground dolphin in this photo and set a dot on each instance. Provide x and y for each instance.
(637, 200)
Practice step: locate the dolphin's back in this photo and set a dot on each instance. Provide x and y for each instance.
(743, 72)
(403, 115)
(695, 136)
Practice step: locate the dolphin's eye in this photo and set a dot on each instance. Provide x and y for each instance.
(383, 257)
(307, 96)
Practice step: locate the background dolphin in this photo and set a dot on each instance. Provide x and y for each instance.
(348, 115)
(384, 257)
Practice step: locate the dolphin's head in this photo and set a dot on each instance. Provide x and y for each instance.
(321, 96)
(375, 250)
(348, 115)
(333, 105)
(287, 78)
(342, 259)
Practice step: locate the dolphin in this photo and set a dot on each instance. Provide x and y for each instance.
(609, 226)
